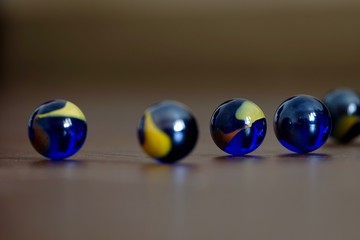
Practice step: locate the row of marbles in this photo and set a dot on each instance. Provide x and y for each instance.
(168, 130)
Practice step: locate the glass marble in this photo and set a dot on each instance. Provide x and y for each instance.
(238, 126)
(57, 129)
(302, 123)
(344, 107)
(167, 131)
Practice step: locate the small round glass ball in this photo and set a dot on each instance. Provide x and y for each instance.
(57, 129)
(344, 107)
(238, 126)
(302, 123)
(167, 131)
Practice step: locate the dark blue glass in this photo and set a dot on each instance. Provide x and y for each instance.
(167, 131)
(238, 126)
(57, 129)
(344, 107)
(302, 123)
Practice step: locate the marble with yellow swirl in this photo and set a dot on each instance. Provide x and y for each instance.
(167, 131)
(344, 107)
(57, 129)
(238, 126)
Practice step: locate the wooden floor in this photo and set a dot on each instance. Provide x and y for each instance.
(112, 190)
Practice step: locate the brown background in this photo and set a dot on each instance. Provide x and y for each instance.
(114, 58)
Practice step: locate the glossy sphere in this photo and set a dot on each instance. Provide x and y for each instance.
(238, 126)
(302, 124)
(57, 129)
(167, 131)
(344, 107)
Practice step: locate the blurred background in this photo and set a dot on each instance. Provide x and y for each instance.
(201, 39)
(114, 58)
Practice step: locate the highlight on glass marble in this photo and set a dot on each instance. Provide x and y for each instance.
(238, 126)
(344, 107)
(167, 131)
(57, 129)
(302, 123)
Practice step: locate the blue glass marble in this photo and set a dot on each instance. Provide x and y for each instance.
(57, 129)
(238, 126)
(302, 123)
(167, 131)
(344, 107)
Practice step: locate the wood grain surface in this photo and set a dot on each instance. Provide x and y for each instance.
(112, 190)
